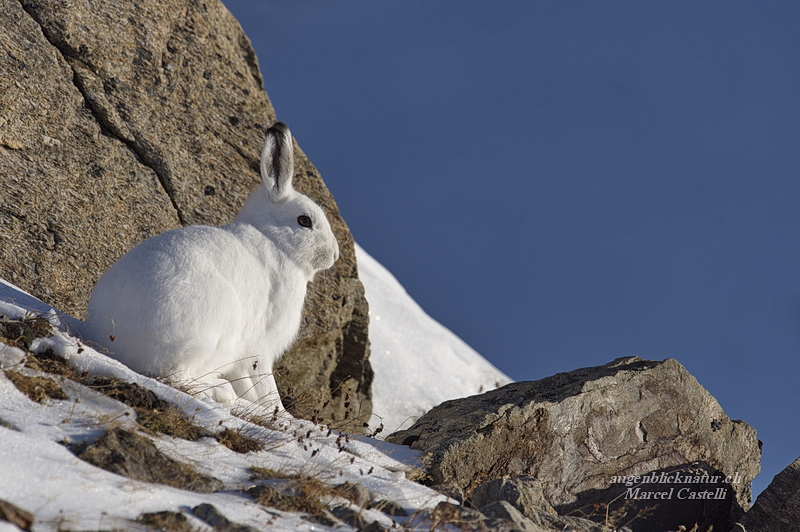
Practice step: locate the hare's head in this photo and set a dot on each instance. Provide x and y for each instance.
(287, 217)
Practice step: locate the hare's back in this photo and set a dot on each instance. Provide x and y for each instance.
(194, 266)
(192, 285)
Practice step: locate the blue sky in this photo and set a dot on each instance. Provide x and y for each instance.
(563, 183)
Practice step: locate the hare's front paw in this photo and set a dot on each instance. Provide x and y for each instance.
(219, 390)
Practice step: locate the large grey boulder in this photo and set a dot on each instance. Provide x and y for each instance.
(638, 441)
(777, 509)
(120, 120)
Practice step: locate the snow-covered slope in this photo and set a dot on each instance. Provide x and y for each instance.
(418, 363)
(42, 476)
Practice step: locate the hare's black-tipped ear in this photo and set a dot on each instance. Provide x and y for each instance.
(277, 162)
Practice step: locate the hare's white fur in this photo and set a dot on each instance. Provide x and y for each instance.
(215, 307)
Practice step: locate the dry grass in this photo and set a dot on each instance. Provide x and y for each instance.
(36, 388)
(238, 442)
(49, 362)
(134, 456)
(303, 495)
(623, 515)
(307, 494)
(264, 473)
(312, 407)
(447, 515)
(21, 332)
(16, 515)
(170, 422)
(170, 521)
(152, 413)
(390, 508)
(260, 416)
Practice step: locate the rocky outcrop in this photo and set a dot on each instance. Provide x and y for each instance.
(502, 516)
(777, 509)
(134, 456)
(634, 442)
(525, 494)
(121, 120)
(521, 501)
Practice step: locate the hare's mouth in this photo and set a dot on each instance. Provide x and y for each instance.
(324, 259)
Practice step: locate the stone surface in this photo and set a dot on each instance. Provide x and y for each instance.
(586, 433)
(501, 516)
(136, 457)
(525, 494)
(218, 522)
(74, 197)
(121, 120)
(508, 512)
(777, 509)
(542, 521)
(354, 492)
(521, 501)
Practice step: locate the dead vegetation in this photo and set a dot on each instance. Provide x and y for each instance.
(169, 521)
(303, 496)
(264, 473)
(134, 456)
(122, 451)
(36, 388)
(390, 508)
(15, 515)
(153, 413)
(21, 332)
(259, 416)
(237, 441)
(49, 362)
(322, 411)
(320, 501)
(161, 417)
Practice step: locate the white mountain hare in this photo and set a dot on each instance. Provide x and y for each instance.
(215, 307)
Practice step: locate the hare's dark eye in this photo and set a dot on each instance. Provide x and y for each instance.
(304, 221)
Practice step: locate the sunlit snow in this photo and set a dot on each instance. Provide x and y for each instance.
(417, 363)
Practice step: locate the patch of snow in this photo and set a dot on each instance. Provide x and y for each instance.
(418, 362)
(13, 300)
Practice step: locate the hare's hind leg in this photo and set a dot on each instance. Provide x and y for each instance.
(211, 386)
(219, 390)
(258, 387)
